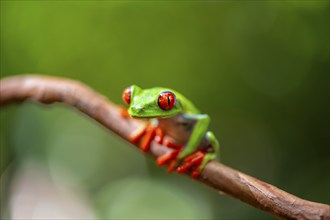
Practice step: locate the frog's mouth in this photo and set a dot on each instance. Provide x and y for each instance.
(147, 115)
(141, 113)
(142, 116)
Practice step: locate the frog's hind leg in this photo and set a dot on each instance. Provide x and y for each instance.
(198, 133)
(198, 160)
(214, 143)
(215, 150)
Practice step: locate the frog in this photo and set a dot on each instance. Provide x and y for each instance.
(170, 114)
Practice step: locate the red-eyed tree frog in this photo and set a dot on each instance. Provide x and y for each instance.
(174, 117)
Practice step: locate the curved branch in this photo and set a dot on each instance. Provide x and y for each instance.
(222, 178)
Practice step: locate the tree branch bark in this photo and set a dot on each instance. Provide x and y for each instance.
(248, 189)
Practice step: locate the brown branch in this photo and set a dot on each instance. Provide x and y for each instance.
(261, 195)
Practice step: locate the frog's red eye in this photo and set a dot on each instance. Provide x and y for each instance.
(166, 100)
(127, 95)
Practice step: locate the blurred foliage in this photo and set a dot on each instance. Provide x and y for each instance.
(259, 69)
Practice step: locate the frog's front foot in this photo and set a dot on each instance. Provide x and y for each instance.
(123, 112)
(146, 134)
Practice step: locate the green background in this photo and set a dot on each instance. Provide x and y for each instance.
(260, 69)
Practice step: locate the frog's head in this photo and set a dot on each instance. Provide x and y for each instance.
(151, 103)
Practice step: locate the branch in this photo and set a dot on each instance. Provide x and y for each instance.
(248, 189)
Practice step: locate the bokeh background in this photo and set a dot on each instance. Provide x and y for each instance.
(260, 69)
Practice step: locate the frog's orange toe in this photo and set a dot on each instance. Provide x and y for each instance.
(195, 174)
(167, 157)
(171, 144)
(159, 135)
(123, 112)
(193, 156)
(134, 138)
(147, 138)
(171, 167)
(195, 160)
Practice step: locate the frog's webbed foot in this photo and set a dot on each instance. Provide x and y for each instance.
(191, 162)
(146, 134)
(194, 162)
(198, 160)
